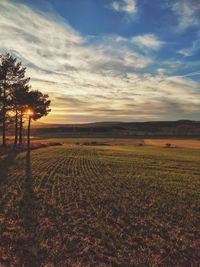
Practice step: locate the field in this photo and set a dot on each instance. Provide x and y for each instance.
(108, 205)
(175, 143)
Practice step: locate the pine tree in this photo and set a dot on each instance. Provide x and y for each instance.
(38, 105)
(12, 75)
(19, 97)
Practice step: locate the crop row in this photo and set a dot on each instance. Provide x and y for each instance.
(92, 206)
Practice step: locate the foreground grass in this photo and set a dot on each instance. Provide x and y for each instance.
(101, 206)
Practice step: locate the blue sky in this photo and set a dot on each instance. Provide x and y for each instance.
(102, 60)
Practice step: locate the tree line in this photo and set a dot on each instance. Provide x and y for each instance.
(18, 102)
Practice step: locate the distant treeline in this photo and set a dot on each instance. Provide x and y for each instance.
(120, 129)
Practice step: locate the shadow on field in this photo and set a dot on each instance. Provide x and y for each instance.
(28, 212)
(5, 164)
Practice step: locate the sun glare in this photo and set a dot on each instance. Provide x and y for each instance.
(29, 112)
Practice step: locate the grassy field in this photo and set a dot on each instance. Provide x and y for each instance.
(178, 143)
(116, 205)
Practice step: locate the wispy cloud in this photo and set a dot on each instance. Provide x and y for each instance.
(194, 49)
(50, 44)
(89, 81)
(187, 13)
(136, 97)
(127, 6)
(186, 52)
(196, 73)
(149, 41)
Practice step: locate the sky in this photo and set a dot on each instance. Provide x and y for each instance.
(108, 60)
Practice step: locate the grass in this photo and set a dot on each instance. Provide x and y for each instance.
(178, 143)
(101, 206)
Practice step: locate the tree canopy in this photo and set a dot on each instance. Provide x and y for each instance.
(16, 97)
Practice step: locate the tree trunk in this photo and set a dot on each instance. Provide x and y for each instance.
(4, 119)
(16, 128)
(29, 130)
(21, 128)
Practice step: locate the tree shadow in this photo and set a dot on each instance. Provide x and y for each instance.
(5, 164)
(28, 213)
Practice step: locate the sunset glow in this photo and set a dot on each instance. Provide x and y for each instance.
(108, 60)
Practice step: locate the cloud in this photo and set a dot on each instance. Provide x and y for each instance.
(149, 41)
(132, 97)
(194, 49)
(187, 13)
(127, 6)
(196, 73)
(186, 52)
(48, 43)
(102, 79)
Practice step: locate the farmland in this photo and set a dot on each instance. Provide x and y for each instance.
(92, 205)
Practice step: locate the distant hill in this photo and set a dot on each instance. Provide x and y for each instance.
(122, 129)
(82, 125)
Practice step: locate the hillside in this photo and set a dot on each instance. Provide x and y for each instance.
(155, 128)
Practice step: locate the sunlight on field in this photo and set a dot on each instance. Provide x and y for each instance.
(122, 205)
(190, 143)
(175, 143)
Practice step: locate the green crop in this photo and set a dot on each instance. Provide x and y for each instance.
(78, 205)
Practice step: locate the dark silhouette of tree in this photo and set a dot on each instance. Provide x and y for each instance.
(38, 106)
(16, 98)
(12, 75)
(1, 111)
(19, 100)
